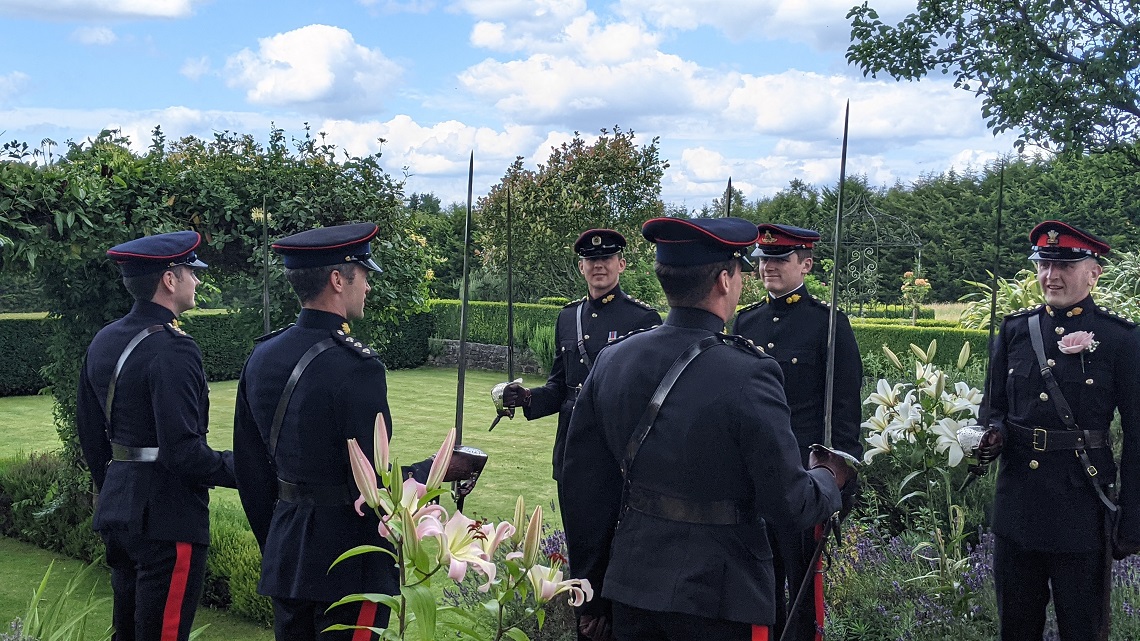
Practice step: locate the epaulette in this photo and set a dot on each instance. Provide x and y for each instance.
(821, 303)
(751, 306)
(745, 345)
(174, 328)
(640, 303)
(574, 302)
(351, 344)
(1025, 311)
(272, 334)
(1116, 317)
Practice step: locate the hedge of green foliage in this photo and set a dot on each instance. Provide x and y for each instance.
(24, 343)
(881, 310)
(872, 336)
(487, 321)
(921, 322)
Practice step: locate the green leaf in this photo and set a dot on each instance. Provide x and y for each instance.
(908, 478)
(361, 549)
(517, 634)
(421, 601)
(912, 495)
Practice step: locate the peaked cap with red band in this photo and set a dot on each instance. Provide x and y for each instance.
(700, 241)
(157, 253)
(1055, 240)
(329, 246)
(599, 243)
(778, 241)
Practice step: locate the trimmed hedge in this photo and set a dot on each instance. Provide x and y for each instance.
(24, 342)
(872, 336)
(922, 322)
(882, 310)
(487, 321)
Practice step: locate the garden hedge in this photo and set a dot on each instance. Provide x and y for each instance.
(24, 343)
(487, 321)
(872, 336)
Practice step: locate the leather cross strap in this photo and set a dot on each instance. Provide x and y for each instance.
(1062, 406)
(287, 393)
(134, 342)
(581, 341)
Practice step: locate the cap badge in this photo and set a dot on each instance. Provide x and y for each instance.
(1054, 237)
(768, 238)
(596, 240)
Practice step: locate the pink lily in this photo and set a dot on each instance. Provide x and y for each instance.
(548, 583)
(364, 475)
(441, 461)
(458, 546)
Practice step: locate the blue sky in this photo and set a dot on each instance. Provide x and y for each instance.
(752, 89)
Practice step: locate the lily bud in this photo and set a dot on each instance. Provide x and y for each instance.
(380, 446)
(530, 543)
(519, 521)
(917, 351)
(964, 355)
(931, 350)
(363, 474)
(891, 357)
(442, 460)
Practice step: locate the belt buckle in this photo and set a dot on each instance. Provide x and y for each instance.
(1044, 434)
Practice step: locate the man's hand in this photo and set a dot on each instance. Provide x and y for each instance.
(989, 449)
(833, 462)
(515, 395)
(595, 628)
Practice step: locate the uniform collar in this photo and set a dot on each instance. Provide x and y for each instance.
(1085, 306)
(795, 297)
(317, 319)
(606, 298)
(695, 318)
(153, 311)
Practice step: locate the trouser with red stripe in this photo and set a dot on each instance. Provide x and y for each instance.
(157, 585)
(792, 551)
(299, 620)
(638, 624)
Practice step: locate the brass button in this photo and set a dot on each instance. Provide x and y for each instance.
(1051, 362)
(594, 315)
(1011, 370)
(1088, 381)
(1034, 464)
(775, 319)
(1044, 396)
(586, 337)
(795, 360)
(771, 345)
(1059, 330)
(582, 360)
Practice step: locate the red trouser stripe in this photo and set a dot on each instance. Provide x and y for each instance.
(819, 613)
(367, 617)
(759, 633)
(172, 615)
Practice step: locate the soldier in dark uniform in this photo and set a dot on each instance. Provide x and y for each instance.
(1056, 478)
(792, 326)
(668, 497)
(141, 413)
(584, 327)
(303, 393)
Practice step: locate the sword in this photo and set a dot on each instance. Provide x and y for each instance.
(728, 199)
(509, 412)
(815, 570)
(463, 325)
(977, 471)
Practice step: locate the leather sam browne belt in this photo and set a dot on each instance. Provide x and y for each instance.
(723, 512)
(130, 454)
(314, 495)
(1042, 440)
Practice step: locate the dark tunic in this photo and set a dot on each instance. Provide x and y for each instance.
(1051, 505)
(604, 320)
(161, 400)
(793, 330)
(723, 433)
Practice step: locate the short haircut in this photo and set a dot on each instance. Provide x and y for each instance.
(143, 286)
(309, 282)
(804, 253)
(689, 285)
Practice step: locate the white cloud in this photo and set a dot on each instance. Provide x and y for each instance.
(195, 68)
(704, 164)
(98, 9)
(10, 83)
(316, 67)
(94, 35)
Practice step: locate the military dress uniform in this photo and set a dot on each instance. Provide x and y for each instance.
(682, 545)
(148, 454)
(295, 482)
(1048, 517)
(793, 329)
(583, 328)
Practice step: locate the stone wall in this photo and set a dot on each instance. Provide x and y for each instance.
(445, 352)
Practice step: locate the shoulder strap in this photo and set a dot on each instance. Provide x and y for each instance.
(581, 341)
(1063, 409)
(134, 342)
(283, 403)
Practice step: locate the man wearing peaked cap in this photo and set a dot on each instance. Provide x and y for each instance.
(792, 327)
(305, 391)
(141, 413)
(1057, 374)
(680, 449)
(583, 328)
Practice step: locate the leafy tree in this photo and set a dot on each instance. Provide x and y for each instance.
(1065, 72)
(612, 183)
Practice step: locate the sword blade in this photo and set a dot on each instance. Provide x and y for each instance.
(463, 322)
(510, 300)
(829, 388)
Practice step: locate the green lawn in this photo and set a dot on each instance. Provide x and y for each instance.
(423, 409)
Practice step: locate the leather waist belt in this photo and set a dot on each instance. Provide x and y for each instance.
(133, 454)
(572, 394)
(671, 508)
(1043, 440)
(303, 494)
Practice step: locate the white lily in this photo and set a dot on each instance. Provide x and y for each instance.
(880, 443)
(884, 394)
(947, 431)
(548, 583)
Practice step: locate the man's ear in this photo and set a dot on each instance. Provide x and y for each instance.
(336, 280)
